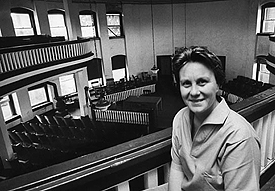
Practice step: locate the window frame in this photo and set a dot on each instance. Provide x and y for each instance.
(93, 15)
(21, 10)
(120, 25)
(58, 12)
(263, 11)
(46, 93)
(11, 107)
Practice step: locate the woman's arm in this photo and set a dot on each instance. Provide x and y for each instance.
(241, 166)
(175, 179)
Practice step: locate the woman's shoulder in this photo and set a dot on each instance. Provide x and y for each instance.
(182, 113)
(238, 126)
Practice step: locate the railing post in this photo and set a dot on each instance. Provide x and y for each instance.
(151, 179)
(124, 186)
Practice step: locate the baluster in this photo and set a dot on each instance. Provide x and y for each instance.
(53, 53)
(25, 60)
(11, 62)
(271, 150)
(270, 138)
(45, 54)
(69, 51)
(34, 57)
(49, 54)
(258, 124)
(28, 58)
(17, 60)
(81, 48)
(1, 66)
(3, 63)
(151, 179)
(73, 50)
(124, 186)
(66, 51)
(7, 62)
(264, 139)
(21, 59)
(40, 56)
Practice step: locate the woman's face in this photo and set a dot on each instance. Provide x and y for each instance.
(198, 88)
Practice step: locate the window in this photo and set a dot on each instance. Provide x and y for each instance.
(268, 18)
(39, 95)
(119, 67)
(9, 106)
(95, 72)
(23, 21)
(57, 23)
(67, 84)
(114, 23)
(88, 24)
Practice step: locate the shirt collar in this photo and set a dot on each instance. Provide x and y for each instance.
(219, 114)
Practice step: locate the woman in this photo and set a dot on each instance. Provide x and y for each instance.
(213, 147)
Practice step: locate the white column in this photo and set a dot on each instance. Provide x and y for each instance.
(6, 151)
(25, 104)
(81, 78)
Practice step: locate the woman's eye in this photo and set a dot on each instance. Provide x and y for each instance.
(186, 84)
(202, 82)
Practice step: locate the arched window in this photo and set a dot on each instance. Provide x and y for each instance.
(268, 18)
(88, 23)
(57, 23)
(114, 23)
(23, 21)
(119, 67)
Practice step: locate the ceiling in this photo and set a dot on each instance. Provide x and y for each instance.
(144, 1)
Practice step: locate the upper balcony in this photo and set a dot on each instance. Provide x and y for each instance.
(33, 62)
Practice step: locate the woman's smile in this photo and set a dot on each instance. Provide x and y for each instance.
(198, 88)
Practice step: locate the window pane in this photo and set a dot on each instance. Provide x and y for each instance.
(38, 96)
(23, 32)
(67, 84)
(88, 31)
(268, 26)
(270, 13)
(86, 20)
(113, 19)
(21, 20)
(59, 32)
(6, 108)
(56, 20)
(119, 74)
(114, 31)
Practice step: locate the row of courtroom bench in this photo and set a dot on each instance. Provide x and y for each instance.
(47, 139)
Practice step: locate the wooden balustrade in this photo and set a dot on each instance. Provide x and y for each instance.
(129, 117)
(119, 96)
(27, 56)
(116, 167)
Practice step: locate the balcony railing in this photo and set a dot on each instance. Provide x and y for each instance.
(116, 167)
(25, 56)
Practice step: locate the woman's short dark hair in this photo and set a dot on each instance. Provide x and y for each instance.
(201, 55)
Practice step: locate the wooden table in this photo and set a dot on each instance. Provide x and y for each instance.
(141, 103)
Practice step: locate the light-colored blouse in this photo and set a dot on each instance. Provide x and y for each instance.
(223, 155)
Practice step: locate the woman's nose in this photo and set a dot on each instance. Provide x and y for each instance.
(194, 90)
